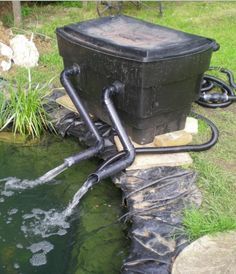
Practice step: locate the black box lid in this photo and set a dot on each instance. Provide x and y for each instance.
(134, 39)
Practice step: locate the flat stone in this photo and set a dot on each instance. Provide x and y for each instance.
(191, 125)
(208, 255)
(180, 137)
(66, 102)
(144, 161)
(176, 138)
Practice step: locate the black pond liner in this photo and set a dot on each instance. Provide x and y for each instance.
(155, 198)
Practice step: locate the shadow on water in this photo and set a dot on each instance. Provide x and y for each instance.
(33, 235)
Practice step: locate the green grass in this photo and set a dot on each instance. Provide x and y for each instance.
(219, 207)
(216, 167)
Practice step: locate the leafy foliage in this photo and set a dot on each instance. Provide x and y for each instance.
(24, 110)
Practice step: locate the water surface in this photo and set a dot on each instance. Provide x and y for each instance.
(90, 242)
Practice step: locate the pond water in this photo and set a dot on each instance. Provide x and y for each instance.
(92, 241)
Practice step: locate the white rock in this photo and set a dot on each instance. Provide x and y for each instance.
(6, 51)
(25, 53)
(191, 125)
(5, 65)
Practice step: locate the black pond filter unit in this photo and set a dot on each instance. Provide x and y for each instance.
(161, 70)
(138, 77)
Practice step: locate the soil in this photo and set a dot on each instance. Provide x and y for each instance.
(5, 34)
(43, 45)
(5, 8)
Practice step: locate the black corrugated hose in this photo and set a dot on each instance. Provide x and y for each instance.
(219, 99)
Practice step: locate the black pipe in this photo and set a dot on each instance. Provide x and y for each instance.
(128, 155)
(65, 77)
(187, 148)
(171, 149)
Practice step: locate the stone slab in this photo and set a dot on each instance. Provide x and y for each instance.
(66, 102)
(151, 160)
(208, 255)
(191, 125)
(176, 138)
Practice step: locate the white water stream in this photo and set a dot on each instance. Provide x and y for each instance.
(40, 222)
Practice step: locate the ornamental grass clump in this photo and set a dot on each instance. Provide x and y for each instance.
(23, 110)
(4, 111)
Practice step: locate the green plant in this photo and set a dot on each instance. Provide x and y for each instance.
(24, 109)
(26, 10)
(4, 111)
(7, 20)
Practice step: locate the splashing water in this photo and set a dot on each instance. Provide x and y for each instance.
(53, 173)
(78, 195)
(49, 223)
(45, 223)
(52, 222)
(39, 251)
(13, 183)
(34, 228)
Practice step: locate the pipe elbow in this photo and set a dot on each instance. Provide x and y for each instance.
(100, 145)
(69, 72)
(131, 156)
(107, 94)
(116, 88)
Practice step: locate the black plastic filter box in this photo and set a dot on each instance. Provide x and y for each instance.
(161, 69)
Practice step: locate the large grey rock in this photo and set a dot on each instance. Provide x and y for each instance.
(208, 255)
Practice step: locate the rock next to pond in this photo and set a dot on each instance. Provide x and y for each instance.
(209, 254)
(156, 199)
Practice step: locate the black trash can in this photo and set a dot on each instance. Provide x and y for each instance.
(161, 69)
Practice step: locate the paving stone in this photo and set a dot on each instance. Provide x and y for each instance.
(144, 161)
(66, 102)
(191, 125)
(176, 138)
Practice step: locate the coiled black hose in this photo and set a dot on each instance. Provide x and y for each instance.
(215, 100)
